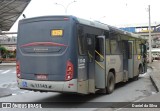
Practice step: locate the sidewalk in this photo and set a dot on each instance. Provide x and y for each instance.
(153, 99)
(155, 74)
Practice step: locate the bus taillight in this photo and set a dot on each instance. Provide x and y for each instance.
(18, 69)
(69, 70)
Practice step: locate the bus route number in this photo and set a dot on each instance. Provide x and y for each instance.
(57, 32)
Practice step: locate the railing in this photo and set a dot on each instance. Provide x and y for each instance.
(100, 55)
(8, 42)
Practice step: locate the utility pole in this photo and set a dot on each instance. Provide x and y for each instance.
(150, 41)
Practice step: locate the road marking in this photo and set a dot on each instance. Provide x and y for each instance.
(1, 71)
(5, 72)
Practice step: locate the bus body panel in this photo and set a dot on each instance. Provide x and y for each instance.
(115, 62)
(136, 65)
(53, 86)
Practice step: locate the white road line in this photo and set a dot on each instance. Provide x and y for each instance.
(5, 72)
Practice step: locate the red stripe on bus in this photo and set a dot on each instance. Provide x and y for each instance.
(43, 43)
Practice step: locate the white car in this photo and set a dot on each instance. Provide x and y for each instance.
(155, 56)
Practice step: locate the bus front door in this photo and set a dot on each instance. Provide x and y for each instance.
(130, 59)
(100, 75)
(90, 45)
(125, 60)
(96, 63)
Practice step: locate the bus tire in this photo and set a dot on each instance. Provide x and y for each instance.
(110, 83)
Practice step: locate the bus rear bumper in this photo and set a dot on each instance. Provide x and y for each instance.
(49, 86)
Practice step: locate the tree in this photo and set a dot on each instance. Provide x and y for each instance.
(3, 51)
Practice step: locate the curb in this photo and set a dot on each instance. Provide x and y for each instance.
(154, 84)
(153, 79)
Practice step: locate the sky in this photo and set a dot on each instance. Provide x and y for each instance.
(113, 12)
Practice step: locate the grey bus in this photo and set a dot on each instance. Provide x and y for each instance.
(70, 54)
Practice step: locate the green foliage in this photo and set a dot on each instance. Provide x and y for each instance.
(7, 54)
(3, 51)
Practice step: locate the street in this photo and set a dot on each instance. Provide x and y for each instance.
(134, 90)
(8, 79)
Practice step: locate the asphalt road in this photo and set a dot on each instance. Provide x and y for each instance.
(124, 92)
(8, 79)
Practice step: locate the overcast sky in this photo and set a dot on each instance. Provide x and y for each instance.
(112, 12)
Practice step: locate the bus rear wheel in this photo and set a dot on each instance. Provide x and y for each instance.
(110, 83)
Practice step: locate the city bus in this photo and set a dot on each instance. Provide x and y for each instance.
(68, 54)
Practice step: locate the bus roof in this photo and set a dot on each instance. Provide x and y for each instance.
(100, 25)
(96, 24)
(92, 23)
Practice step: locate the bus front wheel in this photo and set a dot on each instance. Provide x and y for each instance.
(110, 83)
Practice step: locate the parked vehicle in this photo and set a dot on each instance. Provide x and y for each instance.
(155, 53)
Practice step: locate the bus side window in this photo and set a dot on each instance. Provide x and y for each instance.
(99, 49)
(90, 46)
(107, 46)
(81, 42)
(130, 50)
(114, 47)
(138, 48)
(143, 50)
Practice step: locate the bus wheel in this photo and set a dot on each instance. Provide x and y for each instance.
(110, 83)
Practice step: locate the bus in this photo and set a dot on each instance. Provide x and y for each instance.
(68, 54)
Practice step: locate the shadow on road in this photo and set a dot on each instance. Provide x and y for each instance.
(123, 84)
(69, 97)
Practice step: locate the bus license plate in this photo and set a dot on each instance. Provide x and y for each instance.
(42, 77)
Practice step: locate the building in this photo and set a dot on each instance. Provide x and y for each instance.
(8, 42)
(143, 30)
(10, 10)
